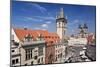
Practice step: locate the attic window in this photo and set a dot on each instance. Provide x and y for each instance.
(28, 37)
(16, 43)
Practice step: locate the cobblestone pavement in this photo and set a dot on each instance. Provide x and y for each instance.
(74, 54)
(91, 52)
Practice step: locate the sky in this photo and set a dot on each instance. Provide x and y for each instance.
(35, 15)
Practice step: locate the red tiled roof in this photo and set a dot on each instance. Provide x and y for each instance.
(48, 37)
(90, 38)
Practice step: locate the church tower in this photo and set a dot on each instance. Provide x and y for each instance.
(61, 24)
(83, 30)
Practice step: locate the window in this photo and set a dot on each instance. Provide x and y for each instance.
(32, 63)
(60, 55)
(13, 50)
(28, 37)
(25, 64)
(17, 61)
(16, 43)
(56, 58)
(40, 51)
(51, 41)
(35, 57)
(56, 51)
(42, 59)
(38, 60)
(13, 62)
(56, 46)
(28, 54)
(64, 32)
(63, 24)
(46, 37)
(59, 24)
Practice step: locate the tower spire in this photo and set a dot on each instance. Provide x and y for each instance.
(61, 13)
(85, 26)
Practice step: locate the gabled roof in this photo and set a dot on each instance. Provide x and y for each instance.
(48, 37)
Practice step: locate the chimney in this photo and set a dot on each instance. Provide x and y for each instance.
(25, 28)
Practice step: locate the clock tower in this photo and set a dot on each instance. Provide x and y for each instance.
(61, 22)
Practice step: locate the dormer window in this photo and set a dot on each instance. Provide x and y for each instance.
(40, 37)
(28, 37)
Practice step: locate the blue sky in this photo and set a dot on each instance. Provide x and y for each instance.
(35, 15)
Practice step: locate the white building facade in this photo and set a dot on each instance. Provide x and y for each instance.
(30, 51)
(60, 52)
(77, 41)
(16, 56)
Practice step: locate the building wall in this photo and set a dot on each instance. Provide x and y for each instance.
(78, 41)
(21, 50)
(34, 53)
(59, 32)
(59, 49)
(15, 58)
(15, 55)
(60, 29)
(43, 56)
(16, 51)
(50, 53)
(14, 36)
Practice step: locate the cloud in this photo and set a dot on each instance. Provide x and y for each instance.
(32, 19)
(39, 19)
(66, 17)
(44, 29)
(42, 9)
(44, 25)
(37, 28)
(72, 22)
(46, 17)
(76, 21)
(50, 18)
(48, 22)
(29, 18)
